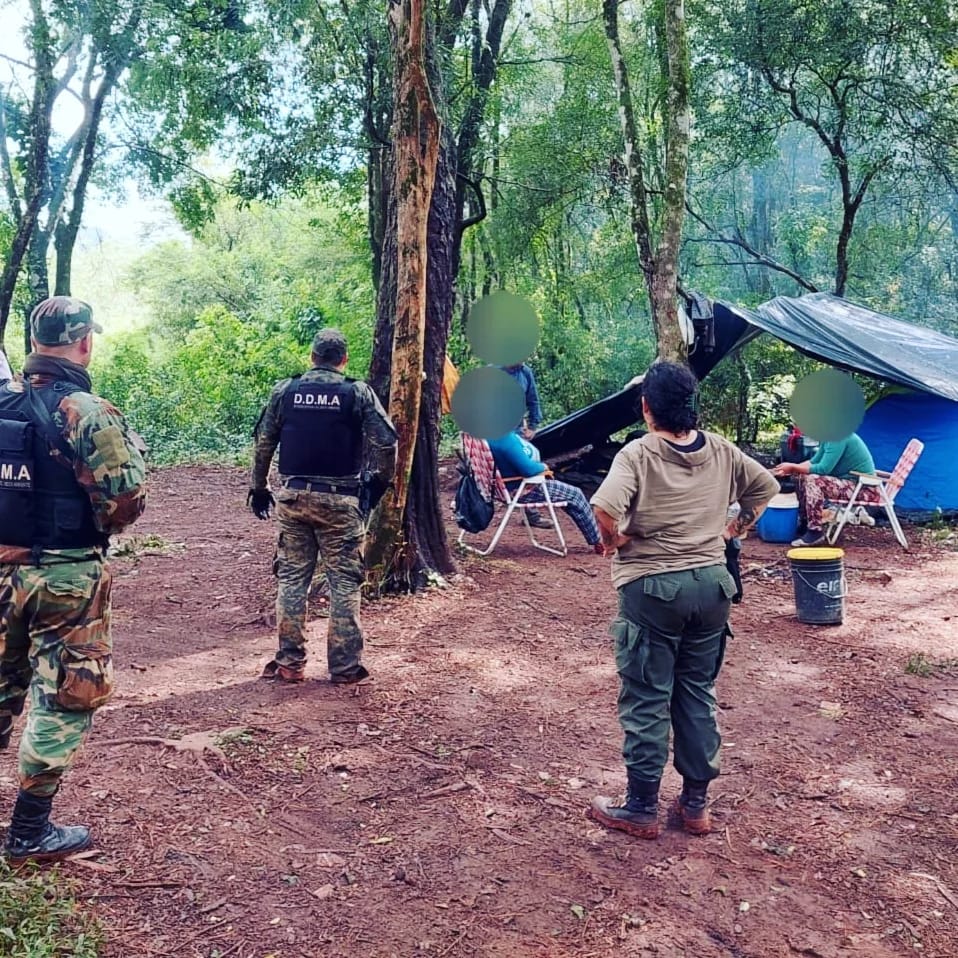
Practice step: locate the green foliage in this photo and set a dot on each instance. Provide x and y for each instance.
(300, 264)
(198, 398)
(852, 123)
(926, 666)
(234, 313)
(746, 396)
(234, 309)
(40, 917)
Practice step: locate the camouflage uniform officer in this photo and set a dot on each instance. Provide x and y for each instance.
(71, 474)
(330, 430)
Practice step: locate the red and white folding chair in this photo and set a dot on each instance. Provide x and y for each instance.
(493, 486)
(888, 484)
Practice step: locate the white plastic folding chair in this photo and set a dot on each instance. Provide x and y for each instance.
(888, 485)
(493, 487)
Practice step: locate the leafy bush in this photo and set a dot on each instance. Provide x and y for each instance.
(40, 917)
(198, 398)
(232, 314)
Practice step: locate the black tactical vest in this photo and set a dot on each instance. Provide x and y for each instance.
(42, 506)
(322, 432)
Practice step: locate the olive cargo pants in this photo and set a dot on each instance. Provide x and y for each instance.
(669, 645)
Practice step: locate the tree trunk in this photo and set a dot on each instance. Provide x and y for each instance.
(68, 226)
(377, 158)
(38, 277)
(426, 518)
(392, 556)
(37, 172)
(678, 127)
(659, 262)
(743, 421)
(485, 63)
(634, 164)
(760, 230)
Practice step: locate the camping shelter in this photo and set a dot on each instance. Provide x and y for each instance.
(892, 420)
(921, 362)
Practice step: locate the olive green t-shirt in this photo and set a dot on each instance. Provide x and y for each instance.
(674, 504)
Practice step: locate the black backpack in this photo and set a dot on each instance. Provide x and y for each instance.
(473, 511)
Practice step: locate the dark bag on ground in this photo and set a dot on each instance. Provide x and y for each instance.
(473, 510)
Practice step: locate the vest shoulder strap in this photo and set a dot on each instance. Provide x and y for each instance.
(41, 409)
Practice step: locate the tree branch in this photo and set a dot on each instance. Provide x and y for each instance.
(760, 259)
(476, 217)
(451, 21)
(18, 63)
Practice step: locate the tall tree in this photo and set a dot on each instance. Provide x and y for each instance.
(658, 239)
(422, 549)
(352, 108)
(415, 148)
(81, 53)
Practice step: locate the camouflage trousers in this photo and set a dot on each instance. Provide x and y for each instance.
(55, 646)
(327, 528)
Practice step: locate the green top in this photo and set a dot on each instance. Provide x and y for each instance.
(842, 458)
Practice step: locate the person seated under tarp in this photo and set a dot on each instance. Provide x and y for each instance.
(515, 457)
(828, 476)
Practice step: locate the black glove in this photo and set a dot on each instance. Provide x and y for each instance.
(733, 549)
(373, 489)
(261, 501)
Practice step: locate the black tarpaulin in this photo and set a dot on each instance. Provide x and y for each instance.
(594, 424)
(852, 337)
(825, 327)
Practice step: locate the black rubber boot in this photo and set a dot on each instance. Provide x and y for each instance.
(639, 816)
(690, 810)
(6, 730)
(33, 836)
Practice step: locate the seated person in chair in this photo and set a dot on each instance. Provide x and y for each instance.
(515, 457)
(828, 475)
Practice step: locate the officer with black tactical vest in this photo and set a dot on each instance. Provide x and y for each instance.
(71, 474)
(337, 456)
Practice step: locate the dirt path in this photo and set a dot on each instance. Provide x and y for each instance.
(439, 810)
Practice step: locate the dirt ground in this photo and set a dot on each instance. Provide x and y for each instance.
(438, 811)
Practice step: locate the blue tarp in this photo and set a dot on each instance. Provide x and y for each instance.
(894, 419)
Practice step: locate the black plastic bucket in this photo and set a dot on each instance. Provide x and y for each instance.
(818, 576)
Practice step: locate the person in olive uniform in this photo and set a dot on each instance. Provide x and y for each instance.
(331, 432)
(662, 511)
(71, 475)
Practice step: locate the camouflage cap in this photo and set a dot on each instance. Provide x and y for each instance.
(62, 320)
(329, 342)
